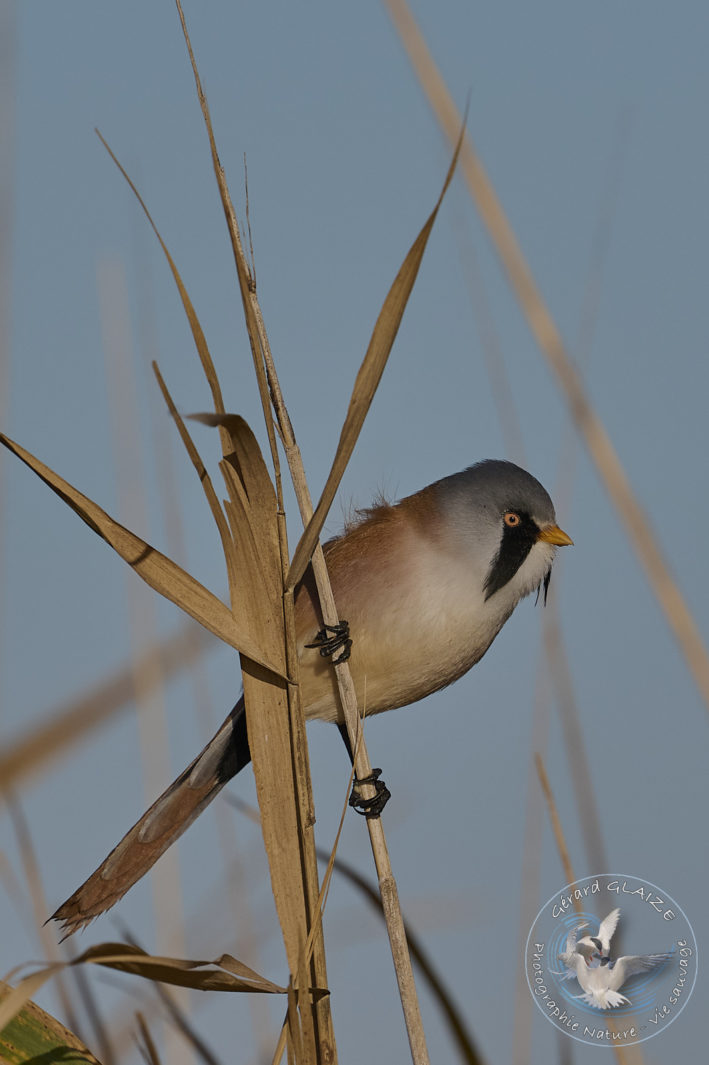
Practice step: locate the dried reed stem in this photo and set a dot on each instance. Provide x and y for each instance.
(263, 359)
(314, 1029)
(556, 826)
(348, 699)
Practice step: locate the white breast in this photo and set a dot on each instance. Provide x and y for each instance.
(422, 623)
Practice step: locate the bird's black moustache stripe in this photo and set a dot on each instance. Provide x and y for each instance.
(544, 584)
(517, 542)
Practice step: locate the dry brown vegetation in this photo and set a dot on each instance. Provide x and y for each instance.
(258, 621)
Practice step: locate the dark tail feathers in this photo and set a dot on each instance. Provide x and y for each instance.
(223, 757)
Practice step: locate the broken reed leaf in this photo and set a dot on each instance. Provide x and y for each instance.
(245, 596)
(197, 332)
(259, 593)
(245, 457)
(253, 514)
(200, 975)
(254, 575)
(368, 378)
(251, 491)
(261, 519)
(160, 572)
(240, 969)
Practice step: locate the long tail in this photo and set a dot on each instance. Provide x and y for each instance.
(225, 754)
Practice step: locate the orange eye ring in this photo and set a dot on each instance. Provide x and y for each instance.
(512, 519)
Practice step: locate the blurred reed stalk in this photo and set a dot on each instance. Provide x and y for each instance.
(541, 323)
(148, 679)
(71, 723)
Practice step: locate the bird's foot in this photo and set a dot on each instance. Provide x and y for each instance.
(374, 806)
(330, 639)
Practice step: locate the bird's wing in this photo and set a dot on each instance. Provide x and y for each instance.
(225, 754)
(569, 970)
(572, 936)
(607, 928)
(632, 964)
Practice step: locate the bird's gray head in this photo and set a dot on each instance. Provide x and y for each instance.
(507, 519)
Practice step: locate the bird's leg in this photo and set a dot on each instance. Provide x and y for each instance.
(330, 639)
(367, 807)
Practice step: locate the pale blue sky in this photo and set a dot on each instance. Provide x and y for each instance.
(345, 161)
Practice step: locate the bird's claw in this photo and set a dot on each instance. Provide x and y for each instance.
(330, 639)
(374, 806)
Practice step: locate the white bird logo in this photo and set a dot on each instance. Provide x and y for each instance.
(588, 960)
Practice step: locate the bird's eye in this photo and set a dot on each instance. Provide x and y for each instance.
(512, 519)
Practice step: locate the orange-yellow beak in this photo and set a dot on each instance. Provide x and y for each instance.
(552, 534)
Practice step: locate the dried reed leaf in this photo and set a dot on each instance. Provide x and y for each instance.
(246, 460)
(258, 590)
(253, 516)
(206, 482)
(197, 332)
(160, 572)
(246, 282)
(253, 500)
(368, 378)
(224, 974)
(253, 506)
(198, 974)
